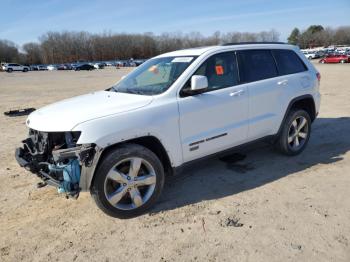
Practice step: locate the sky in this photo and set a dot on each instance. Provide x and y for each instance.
(25, 21)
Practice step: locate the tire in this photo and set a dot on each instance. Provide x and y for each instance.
(115, 189)
(295, 133)
(342, 61)
(25, 70)
(322, 62)
(9, 70)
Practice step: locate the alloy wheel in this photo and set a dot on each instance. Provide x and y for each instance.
(130, 183)
(298, 133)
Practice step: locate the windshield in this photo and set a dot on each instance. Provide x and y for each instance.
(154, 76)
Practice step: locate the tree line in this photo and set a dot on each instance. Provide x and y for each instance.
(317, 35)
(64, 47)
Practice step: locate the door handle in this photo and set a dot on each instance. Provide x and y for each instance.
(237, 93)
(282, 82)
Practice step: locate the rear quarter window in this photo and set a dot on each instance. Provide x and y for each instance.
(288, 62)
(256, 65)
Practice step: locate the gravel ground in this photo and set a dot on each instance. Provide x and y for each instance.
(257, 206)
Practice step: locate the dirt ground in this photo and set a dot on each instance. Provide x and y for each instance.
(265, 207)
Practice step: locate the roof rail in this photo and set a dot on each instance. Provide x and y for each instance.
(254, 43)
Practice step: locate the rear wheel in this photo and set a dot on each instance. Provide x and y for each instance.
(25, 69)
(342, 61)
(295, 132)
(128, 181)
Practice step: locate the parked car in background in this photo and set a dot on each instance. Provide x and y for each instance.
(139, 61)
(64, 67)
(127, 63)
(84, 67)
(42, 67)
(109, 63)
(15, 67)
(320, 54)
(309, 54)
(74, 65)
(38, 67)
(34, 68)
(335, 59)
(99, 65)
(119, 64)
(52, 67)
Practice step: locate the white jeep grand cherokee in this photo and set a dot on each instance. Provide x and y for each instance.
(173, 109)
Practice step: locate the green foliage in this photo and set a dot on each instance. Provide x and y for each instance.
(294, 37)
(313, 29)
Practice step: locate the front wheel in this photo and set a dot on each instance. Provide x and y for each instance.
(342, 61)
(128, 181)
(295, 132)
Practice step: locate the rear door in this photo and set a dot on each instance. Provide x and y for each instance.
(258, 73)
(273, 78)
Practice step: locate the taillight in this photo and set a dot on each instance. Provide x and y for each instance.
(318, 77)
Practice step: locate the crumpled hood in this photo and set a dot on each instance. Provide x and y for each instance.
(64, 115)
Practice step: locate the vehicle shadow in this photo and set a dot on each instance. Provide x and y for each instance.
(220, 177)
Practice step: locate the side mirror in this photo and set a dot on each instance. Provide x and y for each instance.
(199, 83)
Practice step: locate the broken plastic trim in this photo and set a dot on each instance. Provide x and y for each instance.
(19, 112)
(84, 153)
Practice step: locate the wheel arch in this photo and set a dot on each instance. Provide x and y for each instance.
(305, 102)
(150, 142)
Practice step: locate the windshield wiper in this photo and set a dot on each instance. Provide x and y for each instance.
(113, 88)
(133, 91)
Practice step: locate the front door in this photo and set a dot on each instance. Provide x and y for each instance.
(217, 119)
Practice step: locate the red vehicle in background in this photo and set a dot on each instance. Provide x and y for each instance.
(335, 59)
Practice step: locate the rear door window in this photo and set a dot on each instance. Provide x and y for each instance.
(256, 65)
(288, 62)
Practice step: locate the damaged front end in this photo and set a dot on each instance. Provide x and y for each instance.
(56, 158)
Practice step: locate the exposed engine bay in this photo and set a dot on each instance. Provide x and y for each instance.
(56, 158)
